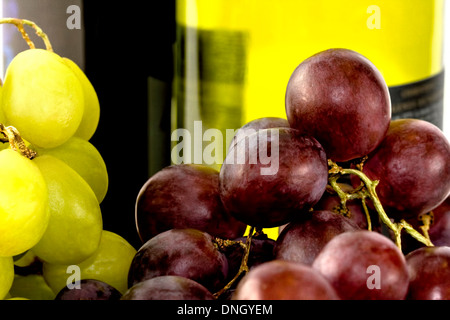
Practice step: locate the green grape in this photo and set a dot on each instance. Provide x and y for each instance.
(75, 226)
(25, 259)
(2, 120)
(91, 115)
(42, 98)
(110, 264)
(32, 287)
(2, 114)
(6, 275)
(24, 213)
(85, 159)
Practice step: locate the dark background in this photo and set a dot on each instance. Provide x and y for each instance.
(129, 60)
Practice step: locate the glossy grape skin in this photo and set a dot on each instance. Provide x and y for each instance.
(261, 250)
(429, 273)
(42, 98)
(6, 275)
(91, 114)
(75, 226)
(297, 179)
(32, 287)
(90, 289)
(168, 288)
(184, 196)
(188, 253)
(339, 97)
(303, 239)
(284, 280)
(331, 202)
(413, 167)
(440, 229)
(24, 214)
(347, 261)
(110, 263)
(258, 124)
(84, 158)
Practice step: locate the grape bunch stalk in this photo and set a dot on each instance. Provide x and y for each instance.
(53, 178)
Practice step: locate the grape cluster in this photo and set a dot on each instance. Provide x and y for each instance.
(360, 199)
(53, 181)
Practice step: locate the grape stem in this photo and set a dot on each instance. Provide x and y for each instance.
(16, 142)
(20, 23)
(367, 190)
(244, 262)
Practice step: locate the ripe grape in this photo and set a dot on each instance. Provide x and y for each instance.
(340, 98)
(24, 213)
(364, 265)
(188, 253)
(168, 288)
(440, 229)
(258, 124)
(261, 250)
(110, 263)
(184, 196)
(298, 175)
(85, 159)
(429, 273)
(284, 280)
(413, 167)
(42, 98)
(91, 114)
(332, 202)
(6, 275)
(32, 287)
(303, 239)
(90, 289)
(75, 226)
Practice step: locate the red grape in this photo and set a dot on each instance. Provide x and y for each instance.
(364, 265)
(184, 196)
(258, 124)
(284, 280)
(168, 288)
(440, 229)
(187, 253)
(302, 239)
(413, 167)
(331, 202)
(89, 289)
(339, 97)
(261, 250)
(429, 273)
(297, 179)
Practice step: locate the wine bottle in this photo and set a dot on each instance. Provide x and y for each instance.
(233, 58)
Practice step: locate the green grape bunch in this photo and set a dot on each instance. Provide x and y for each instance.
(53, 178)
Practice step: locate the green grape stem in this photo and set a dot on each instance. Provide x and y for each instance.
(20, 23)
(243, 268)
(368, 191)
(16, 142)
